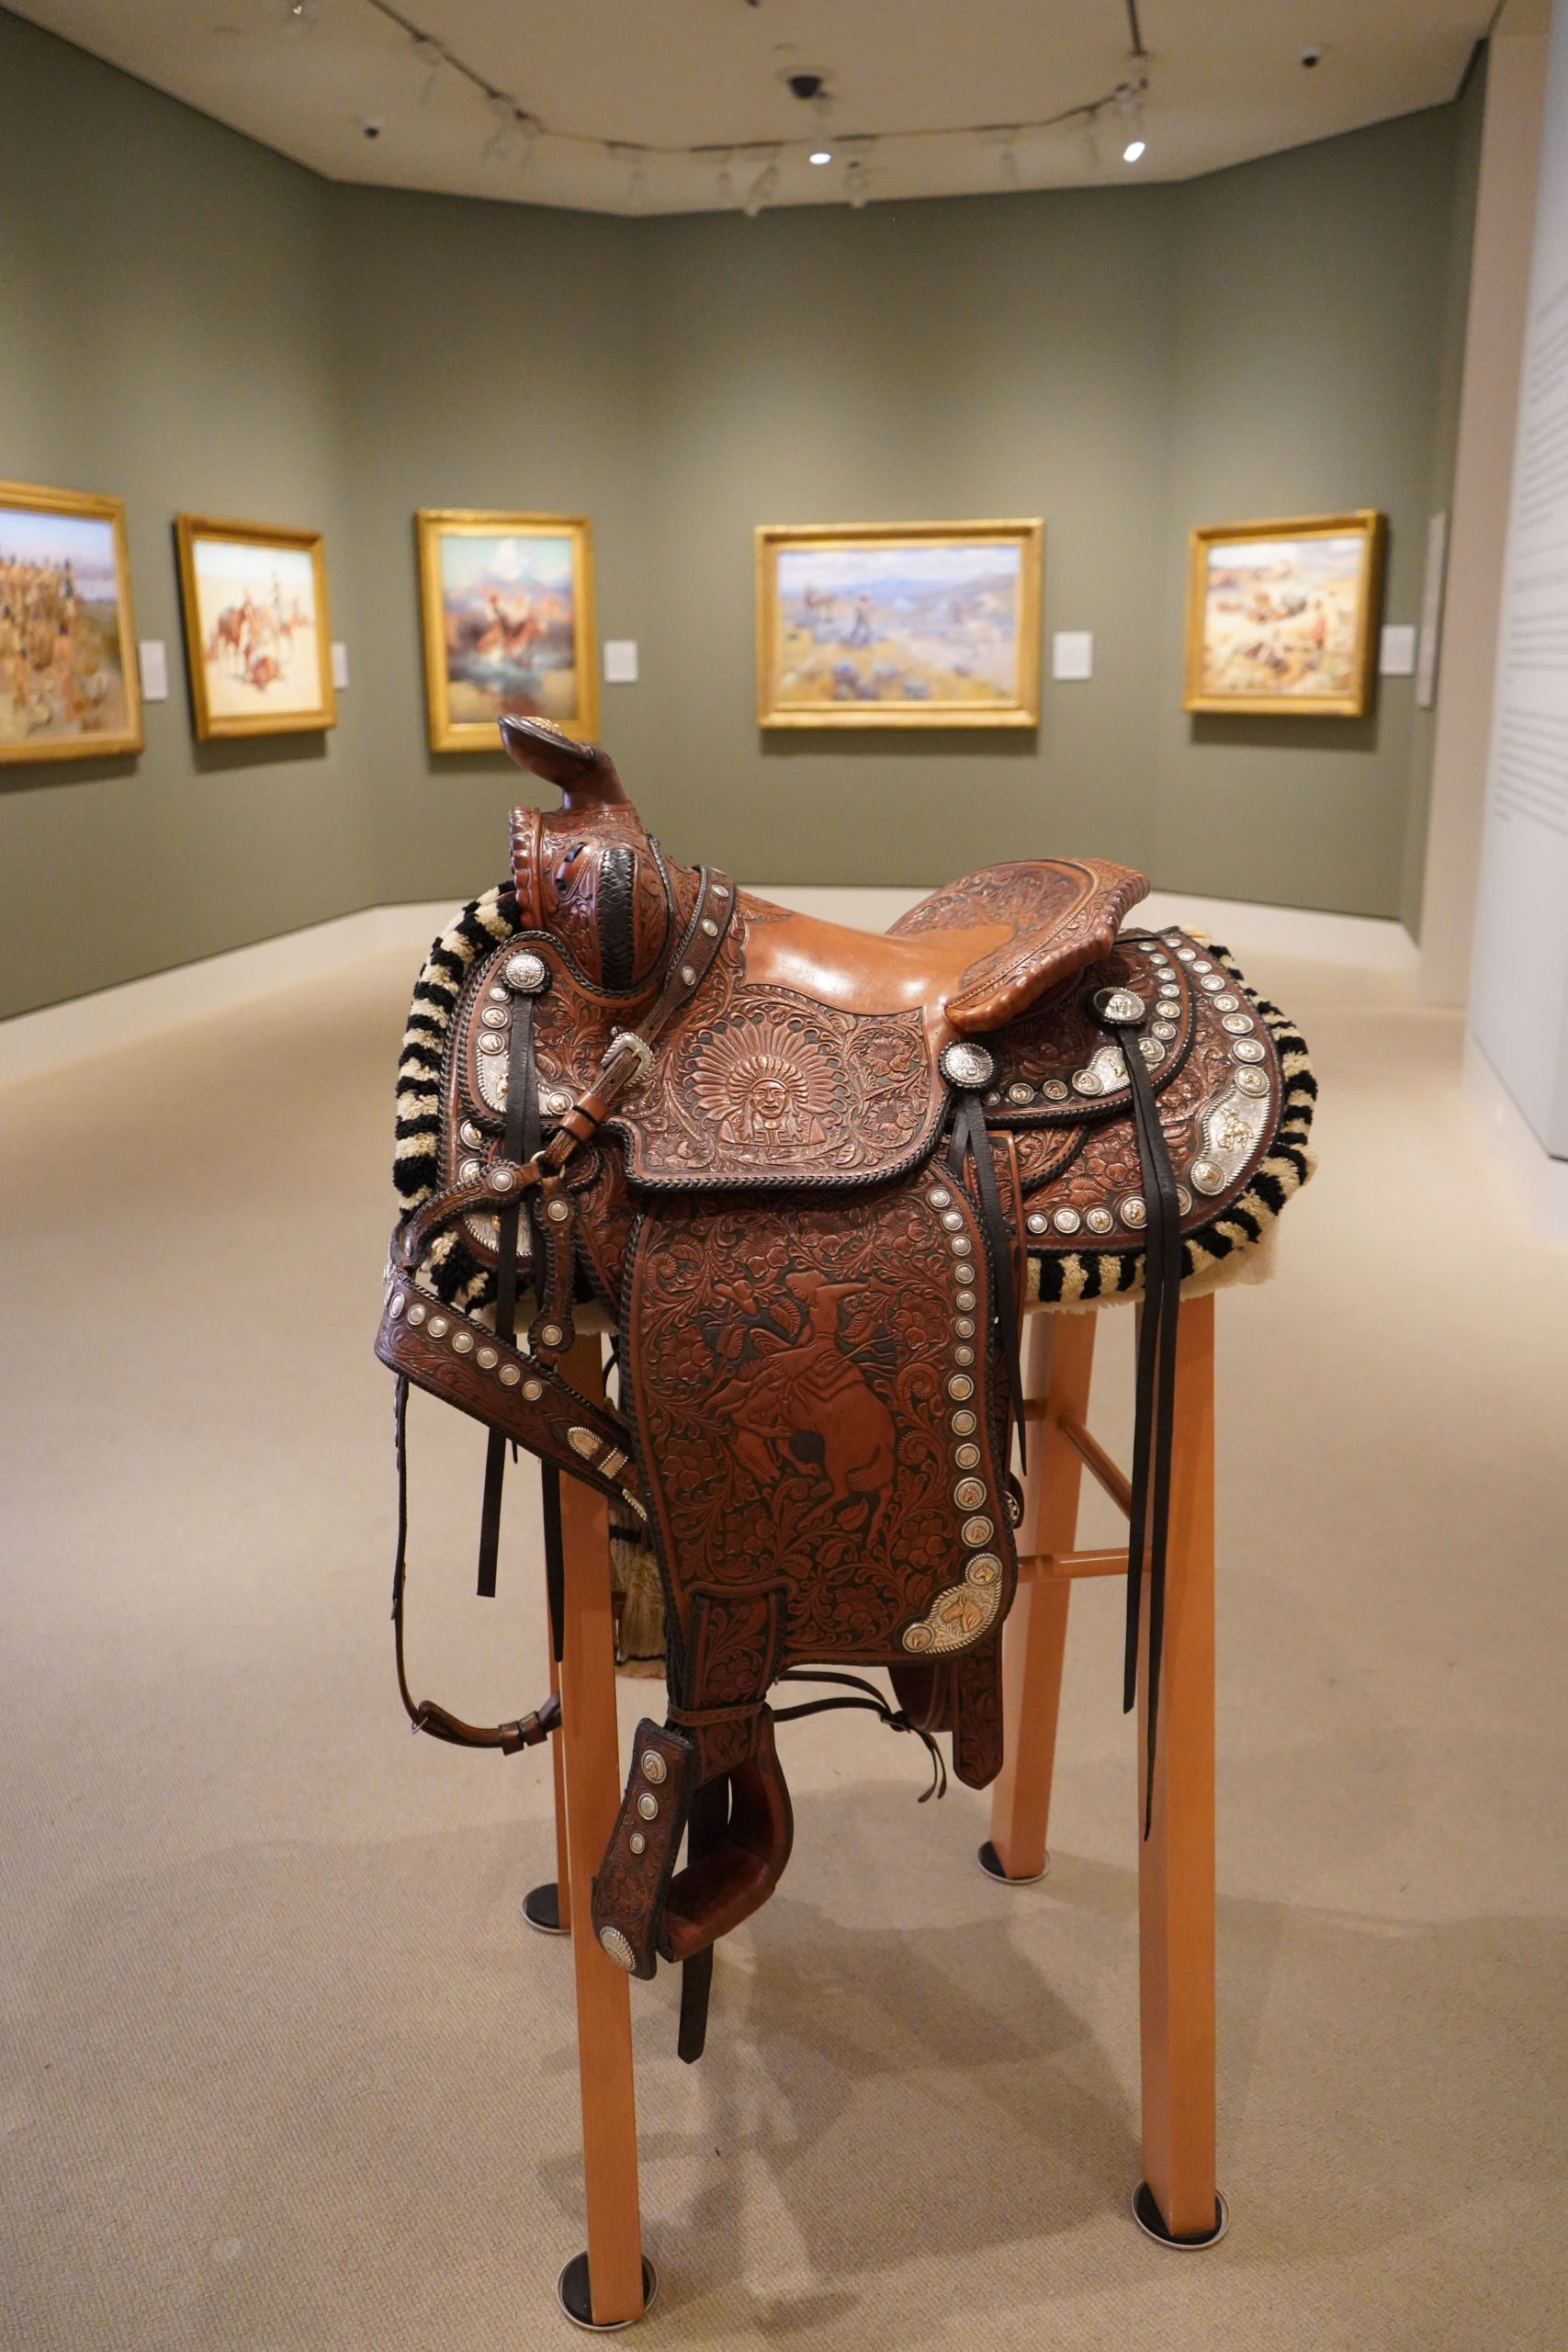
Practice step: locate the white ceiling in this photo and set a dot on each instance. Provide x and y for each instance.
(910, 81)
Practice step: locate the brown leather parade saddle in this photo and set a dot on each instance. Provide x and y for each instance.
(809, 1178)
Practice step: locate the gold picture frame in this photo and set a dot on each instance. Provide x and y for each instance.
(507, 611)
(257, 630)
(898, 624)
(70, 688)
(1286, 627)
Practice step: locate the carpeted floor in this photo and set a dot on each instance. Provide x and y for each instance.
(283, 2070)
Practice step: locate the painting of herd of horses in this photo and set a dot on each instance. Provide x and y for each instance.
(1280, 616)
(68, 681)
(899, 624)
(254, 597)
(507, 609)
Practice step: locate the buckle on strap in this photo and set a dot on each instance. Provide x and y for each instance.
(612, 1076)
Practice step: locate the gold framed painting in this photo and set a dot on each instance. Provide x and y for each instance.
(69, 686)
(899, 624)
(257, 645)
(506, 604)
(1281, 618)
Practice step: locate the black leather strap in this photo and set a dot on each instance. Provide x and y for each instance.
(521, 1141)
(1149, 1517)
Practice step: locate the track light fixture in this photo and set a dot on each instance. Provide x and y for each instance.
(432, 58)
(1130, 110)
(763, 190)
(857, 184)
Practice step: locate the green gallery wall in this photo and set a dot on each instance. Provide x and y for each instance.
(247, 339)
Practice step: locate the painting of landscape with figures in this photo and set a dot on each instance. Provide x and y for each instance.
(255, 616)
(917, 625)
(1280, 616)
(68, 685)
(508, 624)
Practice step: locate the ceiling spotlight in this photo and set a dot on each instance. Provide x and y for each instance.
(820, 156)
(857, 185)
(1006, 162)
(1130, 107)
(763, 190)
(296, 16)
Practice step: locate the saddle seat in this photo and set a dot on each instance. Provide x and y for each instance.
(969, 958)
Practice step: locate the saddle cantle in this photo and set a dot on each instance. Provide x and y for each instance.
(811, 1176)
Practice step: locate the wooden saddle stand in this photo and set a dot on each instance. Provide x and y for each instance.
(813, 1183)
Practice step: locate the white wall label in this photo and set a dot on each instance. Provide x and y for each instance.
(620, 660)
(340, 666)
(1396, 653)
(1072, 653)
(154, 663)
(1431, 611)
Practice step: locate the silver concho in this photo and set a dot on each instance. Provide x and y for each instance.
(1249, 1050)
(965, 1064)
(1105, 1072)
(1122, 1006)
(654, 1768)
(526, 972)
(613, 1942)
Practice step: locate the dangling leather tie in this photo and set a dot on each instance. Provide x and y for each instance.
(521, 1143)
(1148, 1518)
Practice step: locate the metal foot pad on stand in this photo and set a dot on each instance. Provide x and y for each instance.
(1148, 2215)
(990, 1862)
(541, 1908)
(571, 2293)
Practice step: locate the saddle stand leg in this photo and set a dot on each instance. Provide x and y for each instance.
(611, 2283)
(1176, 1861)
(563, 1867)
(1059, 1362)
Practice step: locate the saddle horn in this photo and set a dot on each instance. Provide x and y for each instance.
(584, 775)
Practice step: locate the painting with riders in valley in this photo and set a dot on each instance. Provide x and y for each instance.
(905, 625)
